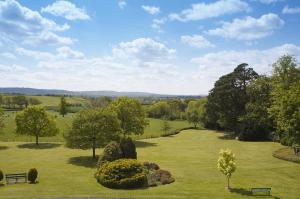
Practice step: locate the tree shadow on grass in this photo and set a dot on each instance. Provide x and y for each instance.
(227, 136)
(142, 144)
(241, 191)
(84, 161)
(40, 146)
(3, 147)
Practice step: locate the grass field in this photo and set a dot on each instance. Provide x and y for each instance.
(64, 123)
(190, 156)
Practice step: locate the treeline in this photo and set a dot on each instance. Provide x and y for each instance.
(257, 107)
(17, 101)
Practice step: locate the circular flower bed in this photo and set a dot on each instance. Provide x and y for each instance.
(286, 154)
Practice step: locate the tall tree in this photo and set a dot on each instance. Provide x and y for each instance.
(195, 112)
(256, 124)
(92, 128)
(286, 100)
(131, 115)
(35, 121)
(63, 106)
(227, 100)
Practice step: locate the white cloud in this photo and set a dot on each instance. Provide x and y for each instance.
(122, 4)
(197, 41)
(143, 50)
(8, 55)
(151, 9)
(19, 24)
(213, 65)
(249, 28)
(209, 10)
(288, 10)
(157, 23)
(67, 10)
(67, 53)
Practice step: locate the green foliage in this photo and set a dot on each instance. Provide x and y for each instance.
(100, 102)
(157, 176)
(93, 128)
(227, 100)
(122, 174)
(256, 124)
(35, 121)
(226, 163)
(169, 109)
(1, 175)
(285, 100)
(165, 127)
(195, 112)
(128, 148)
(111, 152)
(32, 175)
(131, 115)
(63, 106)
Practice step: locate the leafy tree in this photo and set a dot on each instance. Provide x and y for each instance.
(101, 102)
(34, 101)
(35, 121)
(165, 126)
(63, 106)
(92, 128)
(159, 110)
(227, 100)
(195, 112)
(285, 100)
(1, 119)
(227, 164)
(20, 101)
(256, 124)
(131, 115)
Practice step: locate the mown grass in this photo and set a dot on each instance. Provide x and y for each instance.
(64, 124)
(190, 156)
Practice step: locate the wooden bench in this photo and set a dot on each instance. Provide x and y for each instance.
(16, 177)
(265, 191)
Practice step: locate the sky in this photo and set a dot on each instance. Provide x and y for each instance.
(166, 47)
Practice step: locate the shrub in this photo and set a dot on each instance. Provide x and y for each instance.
(1, 175)
(32, 175)
(122, 174)
(112, 151)
(128, 148)
(165, 176)
(151, 166)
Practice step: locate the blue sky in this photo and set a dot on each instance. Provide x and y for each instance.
(169, 46)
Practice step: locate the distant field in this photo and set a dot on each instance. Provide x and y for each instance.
(190, 156)
(64, 123)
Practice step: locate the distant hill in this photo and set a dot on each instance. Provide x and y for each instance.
(34, 91)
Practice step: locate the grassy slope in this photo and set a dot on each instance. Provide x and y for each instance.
(190, 156)
(64, 123)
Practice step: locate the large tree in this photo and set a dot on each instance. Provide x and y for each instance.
(195, 112)
(63, 106)
(227, 100)
(286, 100)
(256, 124)
(131, 115)
(35, 121)
(92, 128)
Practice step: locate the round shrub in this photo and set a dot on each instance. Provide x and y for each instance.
(122, 174)
(1, 175)
(128, 148)
(151, 166)
(32, 175)
(165, 176)
(111, 152)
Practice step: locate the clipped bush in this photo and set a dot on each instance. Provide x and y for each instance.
(1, 175)
(151, 166)
(32, 175)
(128, 148)
(111, 152)
(165, 177)
(122, 174)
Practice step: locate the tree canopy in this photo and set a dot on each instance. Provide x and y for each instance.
(131, 115)
(35, 121)
(93, 128)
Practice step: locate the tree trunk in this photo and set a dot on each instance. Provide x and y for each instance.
(37, 140)
(228, 185)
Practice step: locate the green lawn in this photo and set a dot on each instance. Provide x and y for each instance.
(190, 156)
(64, 123)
